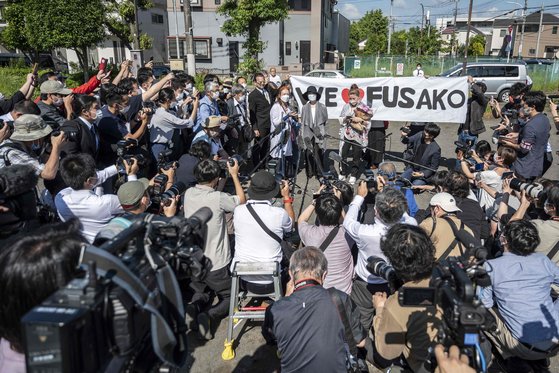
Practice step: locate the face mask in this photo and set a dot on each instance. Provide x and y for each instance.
(215, 95)
(527, 111)
(244, 85)
(37, 148)
(188, 87)
(312, 97)
(225, 90)
(58, 102)
(353, 102)
(181, 96)
(242, 98)
(125, 109)
(285, 98)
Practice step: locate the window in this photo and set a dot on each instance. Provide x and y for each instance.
(288, 48)
(495, 71)
(329, 74)
(156, 18)
(554, 30)
(512, 71)
(304, 5)
(532, 51)
(217, 2)
(202, 49)
(503, 33)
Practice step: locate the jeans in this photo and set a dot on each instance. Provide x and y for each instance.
(416, 181)
(467, 138)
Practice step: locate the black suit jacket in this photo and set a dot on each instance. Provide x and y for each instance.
(431, 157)
(85, 143)
(259, 109)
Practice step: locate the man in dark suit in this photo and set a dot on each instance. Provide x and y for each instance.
(260, 102)
(425, 152)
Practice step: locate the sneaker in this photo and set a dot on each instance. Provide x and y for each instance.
(204, 326)
(352, 180)
(341, 177)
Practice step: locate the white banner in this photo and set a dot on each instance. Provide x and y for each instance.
(407, 99)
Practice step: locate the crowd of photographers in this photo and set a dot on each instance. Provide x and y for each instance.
(370, 278)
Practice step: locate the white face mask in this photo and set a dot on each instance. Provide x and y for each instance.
(285, 98)
(353, 102)
(241, 98)
(188, 87)
(225, 90)
(58, 102)
(215, 95)
(244, 85)
(312, 97)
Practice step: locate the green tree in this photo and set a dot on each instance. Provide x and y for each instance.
(426, 42)
(373, 27)
(246, 18)
(120, 21)
(35, 26)
(477, 46)
(399, 42)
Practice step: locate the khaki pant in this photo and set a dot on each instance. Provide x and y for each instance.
(509, 346)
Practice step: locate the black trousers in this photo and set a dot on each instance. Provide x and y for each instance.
(260, 151)
(361, 294)
(377, 142)
(219, 283)
(353, 150)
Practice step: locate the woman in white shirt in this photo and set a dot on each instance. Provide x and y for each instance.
(165, 126)
(281, 140)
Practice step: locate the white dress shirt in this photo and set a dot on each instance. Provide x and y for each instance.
(252, 244)
(94, 211)
(367, 237)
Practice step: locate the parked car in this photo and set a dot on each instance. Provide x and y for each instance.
(327, 74)
(538, 61)
(159, 71)
(498, 76)
(46, 61)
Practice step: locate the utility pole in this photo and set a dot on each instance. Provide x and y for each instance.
(467, 39)
(191, 64)
(428, 24)
(421, 37)
(177, 28)
(540, 31)
(453, 40)
(524, 10)
(136, 52)
(390, 25)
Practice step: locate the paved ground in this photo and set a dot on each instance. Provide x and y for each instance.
(252, 355)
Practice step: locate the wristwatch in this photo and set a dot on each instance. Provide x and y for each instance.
(288, 200)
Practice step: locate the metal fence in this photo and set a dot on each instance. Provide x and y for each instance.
(545, 77)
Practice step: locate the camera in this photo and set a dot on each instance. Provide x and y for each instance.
(464, 147)
(512, 114)
(533, 190)
(370, 179)
(380, 268)
(405, 130)
(9, 123)
(126, 150)
(70, 135)
(124, 312)
(554, 98)
(164, 161)
(159, 197)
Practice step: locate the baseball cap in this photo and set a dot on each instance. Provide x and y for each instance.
(212, 121)
(131, 192)
(445, 201)
(54, 86)
(30, 127)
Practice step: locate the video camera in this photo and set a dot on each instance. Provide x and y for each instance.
(533, 190)
(125, 312)
(452, 290)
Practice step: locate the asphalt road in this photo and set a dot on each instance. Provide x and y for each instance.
(252, 355)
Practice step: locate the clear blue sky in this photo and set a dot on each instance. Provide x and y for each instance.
(407, 13)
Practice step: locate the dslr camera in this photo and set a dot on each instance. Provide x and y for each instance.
(164, 161)
(70, 135)
(533, 190)
(126, 150)
(160, 197)
(9, 123)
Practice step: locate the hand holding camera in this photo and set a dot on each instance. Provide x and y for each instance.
(285, 189)
(233, 168)
(57, 139)
(131, 166)
(362, 189)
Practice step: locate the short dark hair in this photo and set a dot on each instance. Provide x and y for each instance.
(482, 86)
(391, 204)
(201, 150)
(258, 75)
(240, 77)
(346, 191)
(457, 184)
(410, 252)
(83, 103)
(177, 83)
(482, 147)
(211, 78)
(27, 107)
(439, 179)
(507, 154)
(166, 94)
(552, 197)
(144, 71)
(127, 84)
(76, 169)
(432, 129)
(522, 237)
(535, 99)
(144, 77)
(206, 171)
(518, 89)
(30, 271)
(113, 97)
(328, 209)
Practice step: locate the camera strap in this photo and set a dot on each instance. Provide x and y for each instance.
(169, 341)
(262, 225)
(455, 241)
(553, 251)
(348, 334)
(324, 245)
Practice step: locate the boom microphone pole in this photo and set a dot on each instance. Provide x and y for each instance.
(386, 154)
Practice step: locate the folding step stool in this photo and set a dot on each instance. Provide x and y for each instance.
(238, 313)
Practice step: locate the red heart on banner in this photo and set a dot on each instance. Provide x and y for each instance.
(345, 94)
